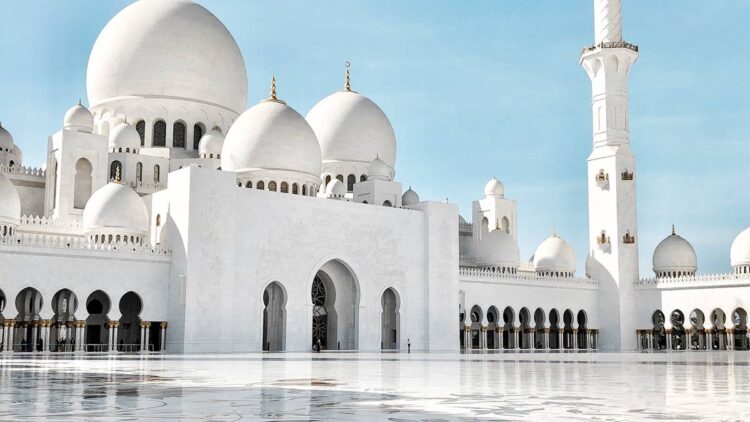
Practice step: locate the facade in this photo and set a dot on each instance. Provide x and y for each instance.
(169, 217)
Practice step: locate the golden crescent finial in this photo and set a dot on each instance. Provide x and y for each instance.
(273, 88)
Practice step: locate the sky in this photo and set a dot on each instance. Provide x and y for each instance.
(473, 89)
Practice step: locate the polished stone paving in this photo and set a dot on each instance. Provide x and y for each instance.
(374, 386)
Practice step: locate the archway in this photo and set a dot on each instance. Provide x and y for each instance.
(274, 318)
(583, 330)
(98, 305)
(63, 332)
(524, 318)
(83, 183)
(539, 340)
(739, 321)
(509, 318)
(335, 300)
(129, 332)
(719, 331)
(554, 330)
(678, 330)
(390, 320)
(659, 332)
(568, 329)
(698, 332)
(492, 324)
(476, 326)
(28, 303)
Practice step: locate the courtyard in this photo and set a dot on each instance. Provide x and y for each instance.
(377, 386)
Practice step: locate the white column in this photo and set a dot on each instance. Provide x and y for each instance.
(163, 336)
(575, 339)
(516, 343)
(483, 337)
(143, 329)
(146, 338)
(34, 334)
(669, 340)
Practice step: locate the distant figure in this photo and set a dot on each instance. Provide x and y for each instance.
(39, 345)
(320, 345)
(408, 345)
(121, 344)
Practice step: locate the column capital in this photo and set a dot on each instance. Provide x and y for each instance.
(163, 324)
(483, 328)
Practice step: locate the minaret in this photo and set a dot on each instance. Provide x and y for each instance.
(613, 254)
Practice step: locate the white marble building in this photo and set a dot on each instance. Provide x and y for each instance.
(170, 217)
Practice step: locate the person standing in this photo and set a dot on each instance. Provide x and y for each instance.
(408, 345)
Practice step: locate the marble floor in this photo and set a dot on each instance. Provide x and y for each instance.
(374, 386)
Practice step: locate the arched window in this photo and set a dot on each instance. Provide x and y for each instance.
(249, 184)
(216, 128)
(160, 134)
(363, 178)
(139, 172)
(115, 170)
(272, 186)
(304, 190)
(284, 187)
(387, 204)
(260, 185)
(178, 135)
(140, 126)
(83, 184)
(328, 180)
(197, 135)
(157, 175)
(350, 181)
(340, 178)
(295, 189)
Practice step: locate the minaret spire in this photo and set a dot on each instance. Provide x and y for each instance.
(347, 81)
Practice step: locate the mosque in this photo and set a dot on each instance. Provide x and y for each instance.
(169, 217)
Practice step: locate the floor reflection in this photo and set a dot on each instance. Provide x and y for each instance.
(373, 386)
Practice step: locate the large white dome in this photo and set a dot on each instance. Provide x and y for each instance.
(115, 209)
(498, 249)
(674, 255)
(271, 136)
(739, 255)
(352, 128)
(167, 49)
(10, 203)
(555, 255)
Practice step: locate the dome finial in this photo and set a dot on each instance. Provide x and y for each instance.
(554, 231)
(347, 80)
(273, 88)
(673, 230)
(79, 102)
(117, 175)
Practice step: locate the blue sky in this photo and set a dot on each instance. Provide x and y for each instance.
(473, 89)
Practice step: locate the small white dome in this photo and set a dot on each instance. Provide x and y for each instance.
(409, 197)
(555, 255)
(124, 136)
(172, 49)
(739, 255)
(352, 128)
(271, 136)
(6, 140)
(378, 170)
(494, 188)
(16, 150)
(115, 209)
(674, 254)
(79, 118)
(336, 188)
(498, 249)
(211, 143)
(10, 203)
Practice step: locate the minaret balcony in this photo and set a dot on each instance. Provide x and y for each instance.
(611, 44)
(628, 239)
(626, 175)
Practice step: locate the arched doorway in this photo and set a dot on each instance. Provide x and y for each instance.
(492, 324)
(539, 340)
(554, 330)
(568, 329)
(129, 332)
(274, 318)
(659, 332)
(389, 320)
(476, 326)
(83, 183)
(509, 317)
(698, 332)
(739, 321)
(28, 303)
(679, 339)
(335, 303)
(524, 340)
(97, 335)
(719, 330)
(62, 333)
(583, 331)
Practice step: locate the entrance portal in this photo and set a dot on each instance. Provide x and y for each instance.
(389, 320)
(274, 318)
(335, 301)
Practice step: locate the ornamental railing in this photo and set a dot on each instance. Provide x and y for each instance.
(485, 274)
(611, 44)
(79, 243)
(690, 281)
(23, 171)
